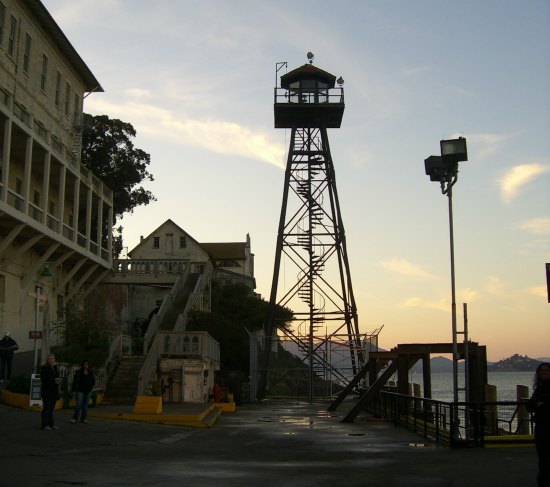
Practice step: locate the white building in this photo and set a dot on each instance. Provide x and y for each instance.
(55, 215)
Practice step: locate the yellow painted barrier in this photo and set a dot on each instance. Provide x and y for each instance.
(148, 405)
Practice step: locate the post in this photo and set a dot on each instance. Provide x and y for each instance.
(38, 292)
(453, 295)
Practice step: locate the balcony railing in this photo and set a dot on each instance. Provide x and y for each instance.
(53, 223)
(81, 240)
(22, 114)
(34, 212)
(15, 201)
(149, 266)
(68, 232)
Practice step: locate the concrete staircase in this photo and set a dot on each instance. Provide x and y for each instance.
(123, 387)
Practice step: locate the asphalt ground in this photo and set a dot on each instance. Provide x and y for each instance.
(270, 444)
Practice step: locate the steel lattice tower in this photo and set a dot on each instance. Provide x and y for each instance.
(311, 240)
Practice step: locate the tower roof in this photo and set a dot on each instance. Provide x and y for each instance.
(307, 71)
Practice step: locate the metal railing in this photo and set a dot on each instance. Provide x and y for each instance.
(309, 95)
(120, 345)
(150, 266)
(460, 423)
(194, 298)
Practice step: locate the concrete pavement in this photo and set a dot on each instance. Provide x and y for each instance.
(284, 443)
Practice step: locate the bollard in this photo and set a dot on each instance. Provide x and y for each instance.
(522, 394)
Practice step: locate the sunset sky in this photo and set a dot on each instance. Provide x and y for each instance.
(196, 80)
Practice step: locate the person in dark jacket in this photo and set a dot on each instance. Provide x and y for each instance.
(49, 390)
(83, 384)
(539, 405)
(8, 346)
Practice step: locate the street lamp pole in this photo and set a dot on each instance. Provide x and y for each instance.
(453, 293)
(444, 169)
(38, 292)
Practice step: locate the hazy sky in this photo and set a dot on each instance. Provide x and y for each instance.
(196, 80)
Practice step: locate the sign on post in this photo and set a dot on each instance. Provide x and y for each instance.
(35, 396)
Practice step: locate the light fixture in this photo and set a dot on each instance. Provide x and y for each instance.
(46, 272)
(340, 81)
(310, 57)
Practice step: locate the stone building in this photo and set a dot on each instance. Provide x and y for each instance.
(55, 215)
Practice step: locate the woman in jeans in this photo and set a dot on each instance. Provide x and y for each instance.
(83, 384)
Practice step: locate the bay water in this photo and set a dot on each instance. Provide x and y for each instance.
(505, 382)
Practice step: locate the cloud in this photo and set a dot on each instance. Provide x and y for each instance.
(415, 302)
(537, 226)
(495, 287)
(487, 144)
(406, 268)
(517, 177)
(219, 136)
(538, 291)
(466, 295)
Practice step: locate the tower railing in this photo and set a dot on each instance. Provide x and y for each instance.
(309, 95)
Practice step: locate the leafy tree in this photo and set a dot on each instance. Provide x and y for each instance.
(234, 310)
(85, 338)
(108, 151)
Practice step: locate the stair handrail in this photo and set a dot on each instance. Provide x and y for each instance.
(115, 352)
(149, 365)
(200, 285)
(157, 318)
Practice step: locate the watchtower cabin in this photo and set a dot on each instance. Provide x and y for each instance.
(308, 98)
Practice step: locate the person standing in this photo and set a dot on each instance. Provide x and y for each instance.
(49, 390)
(83, 383)
(539, 405)
(8, 346)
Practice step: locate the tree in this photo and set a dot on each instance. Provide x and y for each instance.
(234, 310)
(108, 151)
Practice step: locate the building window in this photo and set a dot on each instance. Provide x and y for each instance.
(2, 17)
(18, 186)
(36, 198)
(156, 242)
(183, 242)
(58, 89)
(27, 54)
(11, 38)
(44, 73)
(76, 109)
(51, 207)
(67, 99)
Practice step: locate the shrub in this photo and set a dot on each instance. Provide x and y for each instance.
(20, 384)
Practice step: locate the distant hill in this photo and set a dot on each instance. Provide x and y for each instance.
(515, 363)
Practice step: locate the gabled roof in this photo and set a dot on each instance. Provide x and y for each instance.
(227, 250)
(168, 222)
(46, 22)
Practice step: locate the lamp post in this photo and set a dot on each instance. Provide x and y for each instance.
(38, 292)
(444, 169)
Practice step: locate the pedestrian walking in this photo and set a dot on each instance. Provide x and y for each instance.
(8, 346)
(49, 390)
(83, 383)
(539, 405)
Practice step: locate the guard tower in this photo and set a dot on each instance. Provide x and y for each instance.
(311, 271)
